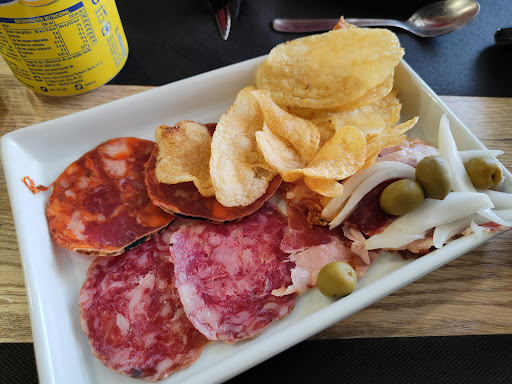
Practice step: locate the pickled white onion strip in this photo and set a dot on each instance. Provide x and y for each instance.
(446, 231)
(334, 206)
(403, 171)
(448, 151)
(393, 239)
(501, 200)
(505, 214)
(431, 213)
(472, 153)
(477, 230)
(461, 181)
(494, 217)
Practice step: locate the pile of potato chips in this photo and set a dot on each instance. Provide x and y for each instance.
(323, 108)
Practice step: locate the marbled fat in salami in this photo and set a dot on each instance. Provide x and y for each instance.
(184, 199)
(132, 315)
(225, 274)
(99, 204)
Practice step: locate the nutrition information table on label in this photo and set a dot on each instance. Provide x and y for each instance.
(33, 45)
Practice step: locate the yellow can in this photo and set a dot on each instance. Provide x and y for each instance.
(62, 47)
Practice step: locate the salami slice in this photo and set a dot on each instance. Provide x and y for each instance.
(225, 274)
(185, 200)
(132, 315)
(99, 204)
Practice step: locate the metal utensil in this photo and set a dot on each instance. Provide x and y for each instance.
(432, 20)
(220, 10)
(223, 11)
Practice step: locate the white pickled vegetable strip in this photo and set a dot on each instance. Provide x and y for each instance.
(367, 185)
(492, 216)
(477, 230)
(461, 181)
(448, 150)
(432, 212)
(446, 231)
(350, 184)
(392, 239)
(472, 153)
(501, 200)
(505, 214)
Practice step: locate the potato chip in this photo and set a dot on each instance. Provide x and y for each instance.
(324, 187)
(370, 119)
(184, 155)
(340, 157)
(327, 131)
(278, 152)
(318, 116)
(329, 70)
(389, 137)
(302, 134)
(343, 24)
(371, 96)
(238, 169)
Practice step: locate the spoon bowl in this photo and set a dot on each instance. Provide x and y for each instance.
(435, 19)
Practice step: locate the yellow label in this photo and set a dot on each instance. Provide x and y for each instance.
(62, 47)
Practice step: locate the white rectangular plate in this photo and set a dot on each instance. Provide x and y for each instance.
(54, 276)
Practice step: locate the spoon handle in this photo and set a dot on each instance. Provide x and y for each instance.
(318, 25)
(375, 22)
(303, 25)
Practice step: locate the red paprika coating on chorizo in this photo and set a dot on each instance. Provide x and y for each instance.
(99, 204)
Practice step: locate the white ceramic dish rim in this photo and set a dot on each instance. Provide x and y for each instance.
(43, 150)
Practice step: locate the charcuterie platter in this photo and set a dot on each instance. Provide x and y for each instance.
(54, 275)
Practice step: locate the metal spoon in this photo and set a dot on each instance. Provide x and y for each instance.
(432, 20)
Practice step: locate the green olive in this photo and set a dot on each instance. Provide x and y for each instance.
(484, 172)
(336, 279)
(433, 174)
(401, 197)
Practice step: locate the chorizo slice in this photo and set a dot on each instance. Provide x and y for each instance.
(184, 199)
(99, 204)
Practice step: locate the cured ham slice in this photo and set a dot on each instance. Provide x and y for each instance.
(184, 199)
(368, 216)
(99, 204)
(409, 151)
(132, 315)
(311, 248)
(225, 274)
(310, 261)
(300, 235)
(300, 196)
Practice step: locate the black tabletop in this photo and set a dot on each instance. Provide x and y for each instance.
(177, 39)
(172, 40)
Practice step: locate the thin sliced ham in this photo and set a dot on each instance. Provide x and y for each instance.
(300, 196)
(310, 261)
(409, 151)
(311, 248)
